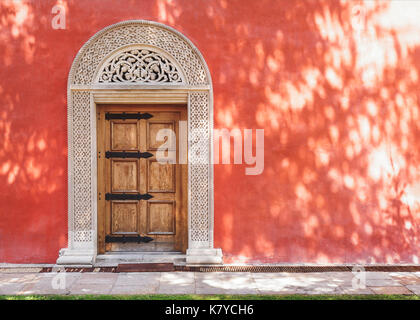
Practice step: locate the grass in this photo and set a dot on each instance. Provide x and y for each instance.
(212, 297)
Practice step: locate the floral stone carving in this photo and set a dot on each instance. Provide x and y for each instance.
(140, 66)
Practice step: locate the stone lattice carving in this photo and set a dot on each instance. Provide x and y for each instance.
(199, 138)
(140, 65)
(110, 39)
(81, 146)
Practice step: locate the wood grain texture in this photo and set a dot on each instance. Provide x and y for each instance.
(153, 127)
(160, 217)
(124, 135)
(164, 217)
(161, 177)
(125, 175)
(124, 217)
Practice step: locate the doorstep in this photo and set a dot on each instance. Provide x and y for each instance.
(113, 259)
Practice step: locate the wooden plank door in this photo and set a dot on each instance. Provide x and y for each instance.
(140, 197)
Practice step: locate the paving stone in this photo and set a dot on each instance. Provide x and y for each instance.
(306, 275)
(381, 283)
(271, 275)
(339, 278)
(138, 278)
(340, 275)
(378, 276)
(83, 288)
(351, 290)
(177, 277)
(214, 275)
(292, 281)
(415, 288)
(401, 274)
(137, 283)
(205, 289)
(303, 283)
(177, 290)
(391, 290)
(13, 283)
(177, 283)
(277, 292)
(97, 278)
(225, 282)
(320, 290)
(242, 291)
(136, 289)
(284, 285)
(312, 279)
(51, 283)
(11, 288)
(18, 277)
(405, 278)
(371, 279)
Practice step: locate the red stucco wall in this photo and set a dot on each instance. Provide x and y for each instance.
(334, 88)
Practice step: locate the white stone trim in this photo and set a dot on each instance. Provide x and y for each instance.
(141, 96)
(84, 93)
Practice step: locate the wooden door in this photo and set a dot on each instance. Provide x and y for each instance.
(139, 198)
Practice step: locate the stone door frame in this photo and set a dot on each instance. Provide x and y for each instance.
(86, 89)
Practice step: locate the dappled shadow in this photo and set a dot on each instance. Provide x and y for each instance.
(33, 151)
(334, 88)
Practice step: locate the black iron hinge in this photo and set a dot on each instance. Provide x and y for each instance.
(123, 154)
(125, 116)
(128, 196)
(124, 239)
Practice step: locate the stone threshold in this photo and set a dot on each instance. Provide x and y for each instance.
(113, 259)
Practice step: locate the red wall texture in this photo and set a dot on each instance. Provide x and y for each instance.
(334, 84)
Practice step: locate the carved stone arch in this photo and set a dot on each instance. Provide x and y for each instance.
(150, 33)
(175, 55)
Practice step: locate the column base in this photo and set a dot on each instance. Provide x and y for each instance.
(204, 256)
(76, 257)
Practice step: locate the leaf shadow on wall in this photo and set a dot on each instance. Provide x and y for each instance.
(33, 143)
(335, 87)
(335, 92)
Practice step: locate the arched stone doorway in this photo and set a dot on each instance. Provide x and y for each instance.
(92, 81)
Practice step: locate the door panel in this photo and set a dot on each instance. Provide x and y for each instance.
(124, 135)
(124, 217)
(161, 177)
(125, 175)
(163, 217)
(153, 128)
